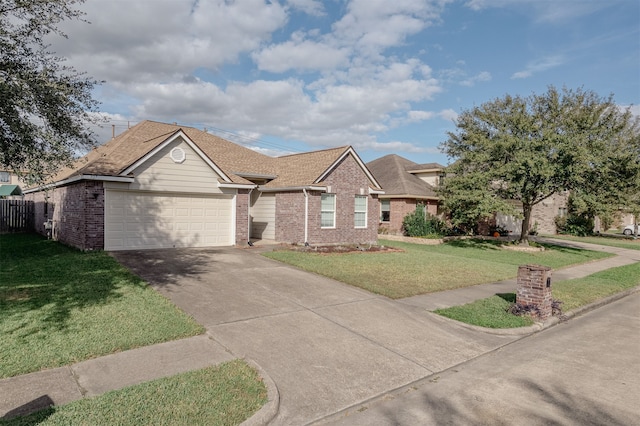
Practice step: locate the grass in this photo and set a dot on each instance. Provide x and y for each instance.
(618, 241)
(420, 269)
(491, 312)
(226, 394)
(59, 306)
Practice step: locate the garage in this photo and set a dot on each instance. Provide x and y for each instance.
(149, 220)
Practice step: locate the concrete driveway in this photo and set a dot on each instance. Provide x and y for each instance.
(326, 345)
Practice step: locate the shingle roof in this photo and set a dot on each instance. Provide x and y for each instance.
(391, 171)
(115, 156)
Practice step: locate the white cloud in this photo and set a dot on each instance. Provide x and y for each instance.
(301, 55)
(483, 76)
(414, 116)
(540, 65)
(546, 11)
(154, 41)
(448, 114)
(175, 61)
(311, 7)
(417, 116)
(373, 25)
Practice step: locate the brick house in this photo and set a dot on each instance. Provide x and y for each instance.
(160, 186)
(406, 185)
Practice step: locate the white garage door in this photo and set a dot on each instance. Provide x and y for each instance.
(138, 220)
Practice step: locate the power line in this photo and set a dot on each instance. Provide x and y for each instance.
(122, 125)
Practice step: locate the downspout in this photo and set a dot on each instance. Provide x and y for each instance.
(249, 218)
(306, 217)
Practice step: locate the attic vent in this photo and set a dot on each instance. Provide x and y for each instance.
(178, 155)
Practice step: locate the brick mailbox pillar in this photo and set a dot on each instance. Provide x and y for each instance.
(534, 288)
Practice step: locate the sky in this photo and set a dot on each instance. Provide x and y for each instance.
(384, 76)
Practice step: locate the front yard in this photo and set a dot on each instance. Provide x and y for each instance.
(420, 269)
(59, 306)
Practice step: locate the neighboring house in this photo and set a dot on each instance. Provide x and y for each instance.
(406, 185)
(543, 216)
(10, 185)
(159, 185)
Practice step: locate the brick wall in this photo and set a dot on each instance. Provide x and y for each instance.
(242, 217)
(77, 212)
(290, 215)
(346, 180)
(534, 288)
(399, 208)
(546, 211)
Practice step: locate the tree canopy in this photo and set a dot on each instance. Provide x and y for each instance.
(518, 150)
(46, 106)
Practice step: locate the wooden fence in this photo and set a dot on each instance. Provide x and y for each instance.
(16, 216)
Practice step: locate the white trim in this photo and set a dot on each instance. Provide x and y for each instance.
(366, 211)
(248, 215)
(237, 185)
(234, 207)
(77, 178)
(376, 191)
(170, 140)
(364, 168)
(293, 188)
(416, 197)
(306, 216)
(335, 209)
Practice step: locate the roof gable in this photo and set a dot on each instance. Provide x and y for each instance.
(121, 156)
(311, 168)
(392, 171)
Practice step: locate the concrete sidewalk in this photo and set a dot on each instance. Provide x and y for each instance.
(461, 296)
(325, 345)
(25, 394)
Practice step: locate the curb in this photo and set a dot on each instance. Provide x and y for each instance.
(409, 387)
(539, 326)
(269, 410)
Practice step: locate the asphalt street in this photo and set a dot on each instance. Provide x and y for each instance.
(582, 372)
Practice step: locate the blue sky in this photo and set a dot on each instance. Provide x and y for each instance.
(385, 76)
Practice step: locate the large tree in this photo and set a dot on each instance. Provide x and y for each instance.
(46, 106)
(517, 151)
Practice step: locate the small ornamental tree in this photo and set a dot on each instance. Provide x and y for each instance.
(527, 149)
(46, 105)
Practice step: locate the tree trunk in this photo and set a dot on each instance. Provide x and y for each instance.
(524, 231)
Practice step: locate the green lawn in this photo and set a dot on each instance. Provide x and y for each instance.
(420, 269)
(226, 394)
(59, 306)
(491, 312)
(619, 242)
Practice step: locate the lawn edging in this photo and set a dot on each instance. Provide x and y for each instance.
(269, 410)
(539, 326)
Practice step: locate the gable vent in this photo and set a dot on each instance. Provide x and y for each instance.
(178, 155)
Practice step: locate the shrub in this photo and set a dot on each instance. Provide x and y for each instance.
(580, 225)
(419, 224)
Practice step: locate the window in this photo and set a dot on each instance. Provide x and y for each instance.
(385, 210)
(5, 177)
(360, 217)
(562, 211)
(328, 211)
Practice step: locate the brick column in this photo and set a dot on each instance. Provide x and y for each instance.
(534, 288)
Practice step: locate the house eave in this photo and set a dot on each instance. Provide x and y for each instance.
(293, 188)
(236, 185)
(416, 197)
(79, 178)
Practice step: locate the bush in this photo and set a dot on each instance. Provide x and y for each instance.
(574, 224)
(419, 224)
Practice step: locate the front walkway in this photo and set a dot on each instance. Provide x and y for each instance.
(461, 296)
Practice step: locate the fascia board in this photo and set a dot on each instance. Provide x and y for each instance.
(170, 140)
(349, 151)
